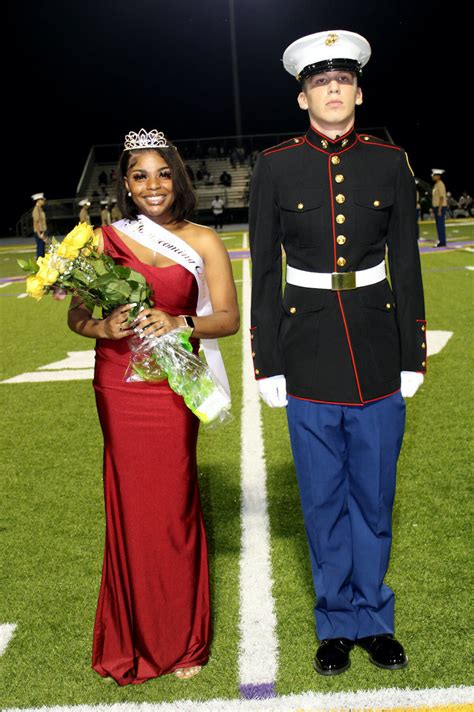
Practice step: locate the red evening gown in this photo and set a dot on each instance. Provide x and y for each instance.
(153, 614)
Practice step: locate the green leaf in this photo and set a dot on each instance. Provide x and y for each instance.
(99, 267)
(137, 277)
(122, 272)
(28, 265)
(78, 276)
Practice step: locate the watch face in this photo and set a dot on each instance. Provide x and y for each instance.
(189, 321)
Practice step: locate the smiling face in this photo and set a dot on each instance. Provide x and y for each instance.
(149, 180)
(330, 99)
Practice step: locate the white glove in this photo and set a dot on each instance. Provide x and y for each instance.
(272, 391)
(410, 382)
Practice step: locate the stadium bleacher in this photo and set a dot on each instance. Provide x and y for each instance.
(233, 154)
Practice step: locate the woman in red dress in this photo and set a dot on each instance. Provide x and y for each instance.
(153, 614)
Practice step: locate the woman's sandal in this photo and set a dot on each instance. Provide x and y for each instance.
(187, 673)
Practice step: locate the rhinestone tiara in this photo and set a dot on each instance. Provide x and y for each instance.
(145, 139)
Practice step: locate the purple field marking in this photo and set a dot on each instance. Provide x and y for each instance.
(12, 279)
(263, 691)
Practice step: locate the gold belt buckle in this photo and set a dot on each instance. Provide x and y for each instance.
(343, 280)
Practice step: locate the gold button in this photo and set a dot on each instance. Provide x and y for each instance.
(339, 178)
(341, 261)
(257, 371)
(340, 198)
(300, 206)
(376, 203)
(324, 143)
(340, 219)
(345, 142)
(423, 346)
(340, 239)
(388, 305)
(292, 310)
(335, 160)
(366, 138)
(253, 354)
(423, 363)
(423, 327)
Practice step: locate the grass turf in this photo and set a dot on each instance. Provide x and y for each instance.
(51, 528)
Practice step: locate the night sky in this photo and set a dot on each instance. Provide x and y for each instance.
(96, 69)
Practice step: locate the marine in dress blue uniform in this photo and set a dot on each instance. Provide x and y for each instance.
(340, 341)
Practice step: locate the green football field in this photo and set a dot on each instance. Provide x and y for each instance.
(52, 525)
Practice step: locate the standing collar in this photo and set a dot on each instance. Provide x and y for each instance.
(328, 145)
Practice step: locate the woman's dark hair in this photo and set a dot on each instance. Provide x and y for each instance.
(184, 198)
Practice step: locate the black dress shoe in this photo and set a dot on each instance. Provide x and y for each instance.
(332, 656)
(440, 244)
(384, 651)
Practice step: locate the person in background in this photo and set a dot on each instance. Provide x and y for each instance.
(418, 210)
(105, 216)
(103, 180)
(115, 213)
(225, 179)
(190, 173)
(40, 225)
(84, 211)
(439, 202)
(217, 207)
(339, 348)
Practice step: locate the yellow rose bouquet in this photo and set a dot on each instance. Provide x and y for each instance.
(75, 266)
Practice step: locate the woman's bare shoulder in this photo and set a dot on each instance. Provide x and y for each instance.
(201, 234)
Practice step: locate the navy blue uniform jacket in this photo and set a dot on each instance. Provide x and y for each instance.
(336, 206)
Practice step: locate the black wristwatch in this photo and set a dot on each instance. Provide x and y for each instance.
(189, 321)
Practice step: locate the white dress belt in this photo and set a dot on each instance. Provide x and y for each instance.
(336, 281)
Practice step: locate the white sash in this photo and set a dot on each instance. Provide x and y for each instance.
(159, 239)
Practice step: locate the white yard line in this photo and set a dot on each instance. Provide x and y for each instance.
(6, 634)
(391, 697)
(258, 652)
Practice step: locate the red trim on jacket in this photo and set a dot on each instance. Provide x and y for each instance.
(284, 148)
(355, 405)
(315, 147)
(333, 140)
(334, 153)
(331, 194)
(350, 347)
(333, 224)
(373, 143)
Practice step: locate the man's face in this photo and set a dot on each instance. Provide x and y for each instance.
(330, 97)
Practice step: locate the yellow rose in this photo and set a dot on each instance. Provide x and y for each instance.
(67, 251)
(35, 286)
(79, 236)
(46, 273)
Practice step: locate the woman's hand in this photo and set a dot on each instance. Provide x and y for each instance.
(156, 322)
(116, 325)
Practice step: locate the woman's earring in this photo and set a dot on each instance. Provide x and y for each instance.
(129, 194)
